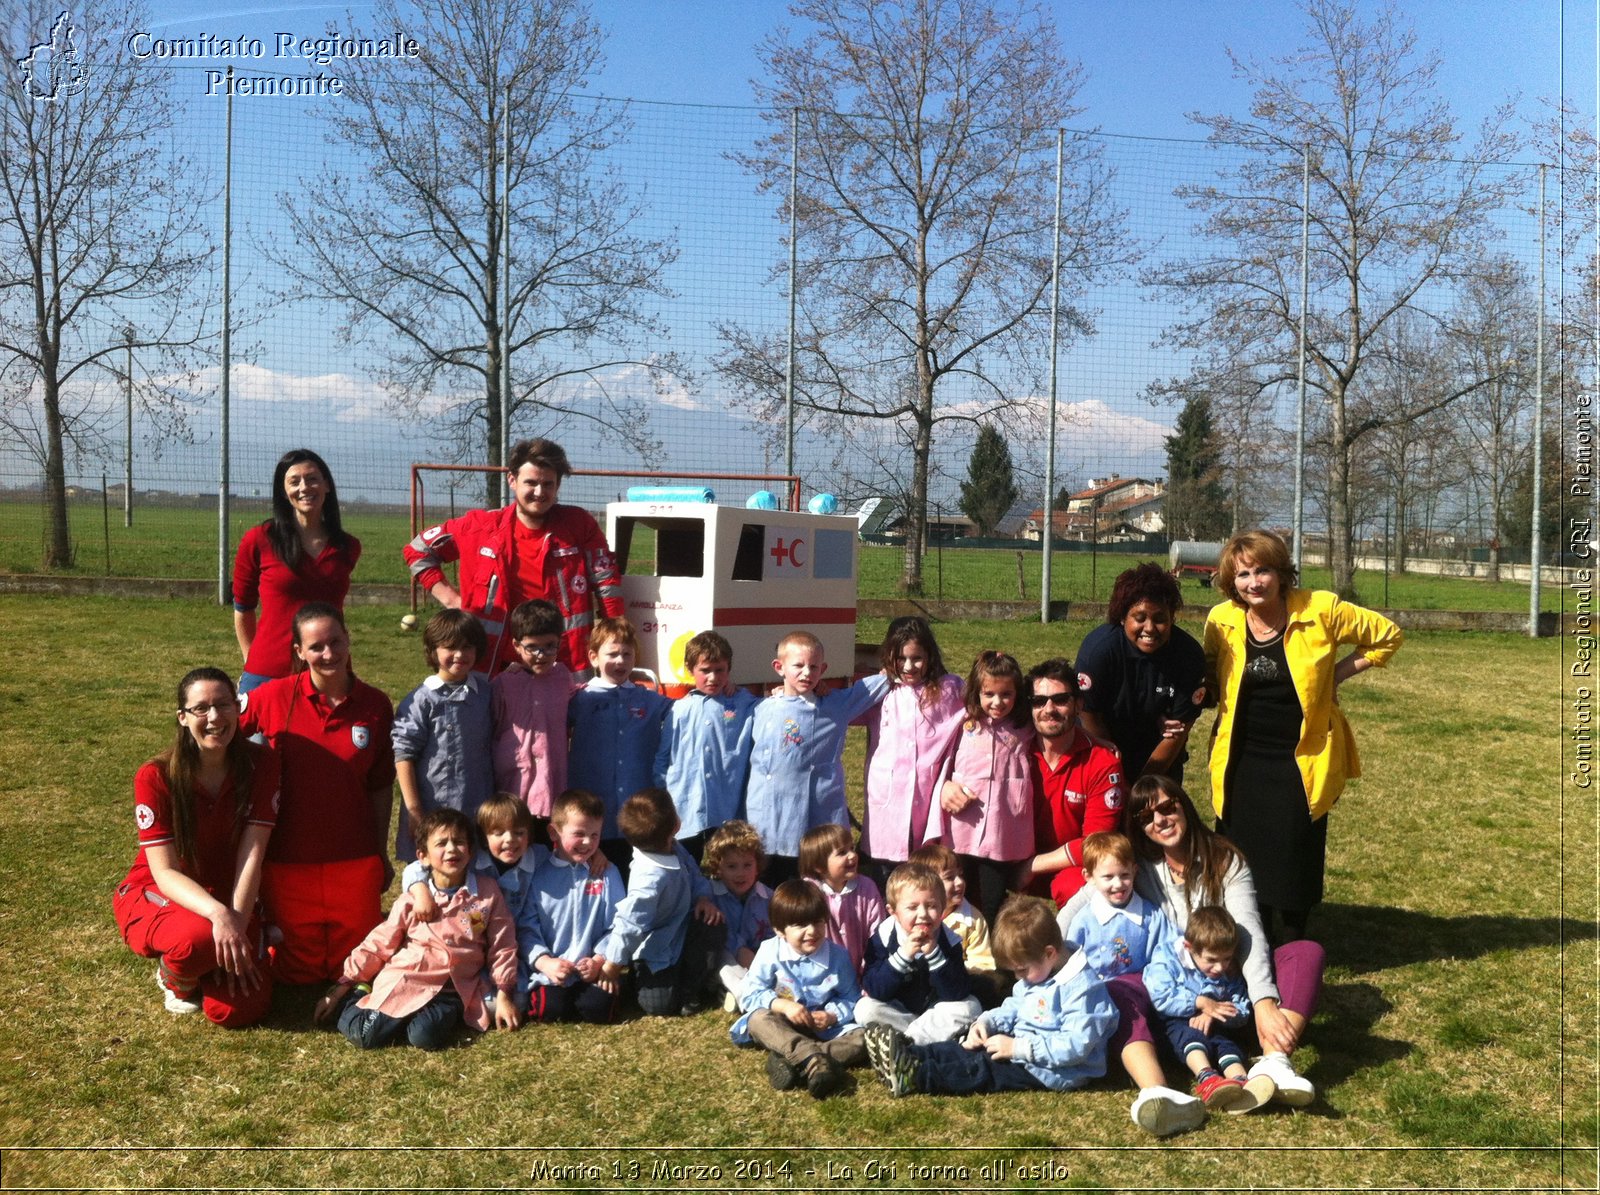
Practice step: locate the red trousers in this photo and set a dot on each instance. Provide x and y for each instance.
(324, 911)
(155, 927)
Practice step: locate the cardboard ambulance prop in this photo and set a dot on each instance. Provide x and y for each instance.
(752, 575)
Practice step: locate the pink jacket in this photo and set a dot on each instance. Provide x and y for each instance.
(853, 915)
(530, 735)
(994, 760)
(907, 746)
(408, 965)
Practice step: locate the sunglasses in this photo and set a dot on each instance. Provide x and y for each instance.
(1061, 700)
(1165, 808)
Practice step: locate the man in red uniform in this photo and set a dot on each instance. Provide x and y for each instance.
(532, 548)
(1077, 779)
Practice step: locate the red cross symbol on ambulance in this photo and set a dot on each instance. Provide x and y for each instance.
(788, 555)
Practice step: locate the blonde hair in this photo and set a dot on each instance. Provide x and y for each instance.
(914, 877)
(502, 810)
(937, 856)
(804, 640)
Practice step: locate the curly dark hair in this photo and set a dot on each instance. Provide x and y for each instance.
(1149, 582)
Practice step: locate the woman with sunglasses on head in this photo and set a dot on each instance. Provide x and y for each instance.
(204, 808)
(1184, 866)
(1281, 749)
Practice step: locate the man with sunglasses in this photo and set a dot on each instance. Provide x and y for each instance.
(1077, 780)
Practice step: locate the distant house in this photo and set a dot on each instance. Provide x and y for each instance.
(1112, 509)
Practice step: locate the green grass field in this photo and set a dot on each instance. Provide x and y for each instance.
(1455, 1047)
(178, 543)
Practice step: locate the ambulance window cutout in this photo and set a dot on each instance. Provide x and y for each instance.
(751, 554)
(680, 547)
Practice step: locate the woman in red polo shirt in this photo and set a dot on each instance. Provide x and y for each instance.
(205, 808)
(326, 867)
(301, 554)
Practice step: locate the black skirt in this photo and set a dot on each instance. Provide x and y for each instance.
(1266, 814)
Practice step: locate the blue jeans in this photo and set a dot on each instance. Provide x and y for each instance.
(951, 1068)
(429, 1028)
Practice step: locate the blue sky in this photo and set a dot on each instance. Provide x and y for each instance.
(1147, 63)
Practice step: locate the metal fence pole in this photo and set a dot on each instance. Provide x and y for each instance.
(505, 290)
(127, 456)
(1300, 404)
(1536, 530)
(1050, 450)
(223, 479)
(794, 288)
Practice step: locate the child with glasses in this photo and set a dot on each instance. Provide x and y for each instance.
(529, 708)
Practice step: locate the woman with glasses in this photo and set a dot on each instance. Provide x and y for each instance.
(204, 809)
(327, 867)
(1183, 866)
(1139, 674)
(1281, 749)
(301, 554)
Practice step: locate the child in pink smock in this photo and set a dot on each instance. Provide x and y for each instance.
(909, 739)
(986, 802)
(829, 859)
(529, 708)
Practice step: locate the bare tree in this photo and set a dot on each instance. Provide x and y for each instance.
(1395, 219)
(407, 240)
(100, 231)
(925, 199)
(1494, 340)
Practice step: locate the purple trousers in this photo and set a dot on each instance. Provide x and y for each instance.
(1297, 965)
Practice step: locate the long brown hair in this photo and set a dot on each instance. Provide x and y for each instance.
(181, 763)
(1207, 856)
(912, 628)
(997, 665)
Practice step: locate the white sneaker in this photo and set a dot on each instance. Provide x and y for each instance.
(176, 1004)
(1163, 1111)
(1293, 1089)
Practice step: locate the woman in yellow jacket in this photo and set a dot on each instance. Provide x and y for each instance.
(1281, 749)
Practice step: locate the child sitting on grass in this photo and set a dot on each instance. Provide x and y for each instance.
(965, 922)
(1050, 1033)
(422, 979)
(915, 978)
(667, 927)
(1198, 992)
(1117, 930)
(732, 861)
(568, 910)
(829, 859)
(800, 996)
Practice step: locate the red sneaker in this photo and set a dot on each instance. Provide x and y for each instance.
(1222, 1094)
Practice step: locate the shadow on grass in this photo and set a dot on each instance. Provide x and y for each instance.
(1343, 1039)
(1367, 938)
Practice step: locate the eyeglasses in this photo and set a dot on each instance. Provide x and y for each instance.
(204, 708)
(539, 649)
(1165, 808)
(1060, 700)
